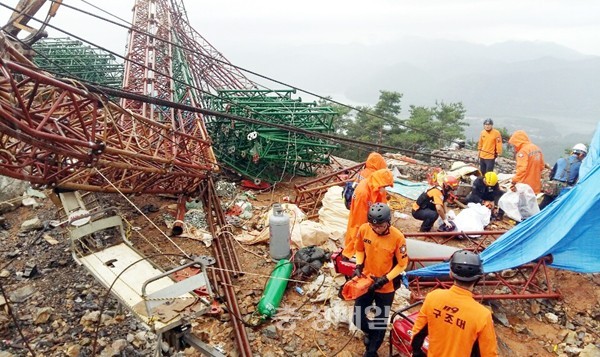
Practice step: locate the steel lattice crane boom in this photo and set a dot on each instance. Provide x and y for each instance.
(58, 134)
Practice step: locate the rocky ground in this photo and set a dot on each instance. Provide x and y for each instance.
(55, 304)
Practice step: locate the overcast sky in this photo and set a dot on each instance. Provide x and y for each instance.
(236, 24)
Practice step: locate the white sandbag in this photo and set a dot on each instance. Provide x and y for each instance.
(334, 213)
(520, 204)
(313, 233)
(474, 218)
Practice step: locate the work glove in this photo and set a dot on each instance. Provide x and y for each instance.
(447, 222)
(379, 282)
(358, 270)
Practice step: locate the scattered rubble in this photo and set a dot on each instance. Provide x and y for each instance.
(57, 304)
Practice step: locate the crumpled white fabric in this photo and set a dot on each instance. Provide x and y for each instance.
(521, 204)
(334, 214)
(473, 218)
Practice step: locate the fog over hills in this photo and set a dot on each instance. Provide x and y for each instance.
(551, 91)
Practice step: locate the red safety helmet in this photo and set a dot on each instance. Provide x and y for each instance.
(451, 182)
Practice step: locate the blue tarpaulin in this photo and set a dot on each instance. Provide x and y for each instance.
(407, 188)
(568, 229)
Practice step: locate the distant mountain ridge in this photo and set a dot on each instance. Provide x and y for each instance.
(538, 86)
(509, 78)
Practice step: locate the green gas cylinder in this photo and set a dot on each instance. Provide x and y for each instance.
(269, 302)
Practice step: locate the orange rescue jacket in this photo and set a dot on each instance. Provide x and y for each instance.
(456, 325)
(365, 194)
(374, 162)
(530, 161)
(380, 252)
(490, 144)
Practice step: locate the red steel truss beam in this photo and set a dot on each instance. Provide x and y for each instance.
(148, 57)
(57, 134)
(209, 67)
(309, 195)
(528, 281)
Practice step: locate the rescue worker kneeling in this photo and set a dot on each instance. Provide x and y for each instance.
(457, 325)
(486, 191)
(381, 255)
(431, 204)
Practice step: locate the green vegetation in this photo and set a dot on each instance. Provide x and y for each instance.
(427, 128)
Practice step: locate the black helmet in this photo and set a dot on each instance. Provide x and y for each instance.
(379, 213)
(466, 266)
(488, 121)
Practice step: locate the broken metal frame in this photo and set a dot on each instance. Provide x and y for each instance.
(527, 281)
(309, 195)
(57, 134)
(156, 286)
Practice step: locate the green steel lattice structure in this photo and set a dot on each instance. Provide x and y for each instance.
(73, 58)
(258, 152)
(266, 153)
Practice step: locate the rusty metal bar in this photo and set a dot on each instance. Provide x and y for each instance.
(137, 154)
(225, 263)
(310, 194)
(178, 224)
(522, 285)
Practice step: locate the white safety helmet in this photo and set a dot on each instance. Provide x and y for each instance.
(580, 148)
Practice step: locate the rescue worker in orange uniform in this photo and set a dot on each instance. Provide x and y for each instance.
(374, 162)
(431, 204)
(489, 146)
(380, 254)
(368, 192)
(457, 325)
(530, 162)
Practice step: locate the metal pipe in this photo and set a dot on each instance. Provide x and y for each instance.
(178, 224)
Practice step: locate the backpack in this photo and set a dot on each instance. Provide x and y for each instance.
(424, 201)
(348, 193)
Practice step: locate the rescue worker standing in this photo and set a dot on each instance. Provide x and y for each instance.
(530, 162)
(456, 324)
(380, 254)
(489, 146)
(368, 192)
(486, 189)
(374, 162)
(431, 204)
(566, 171)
